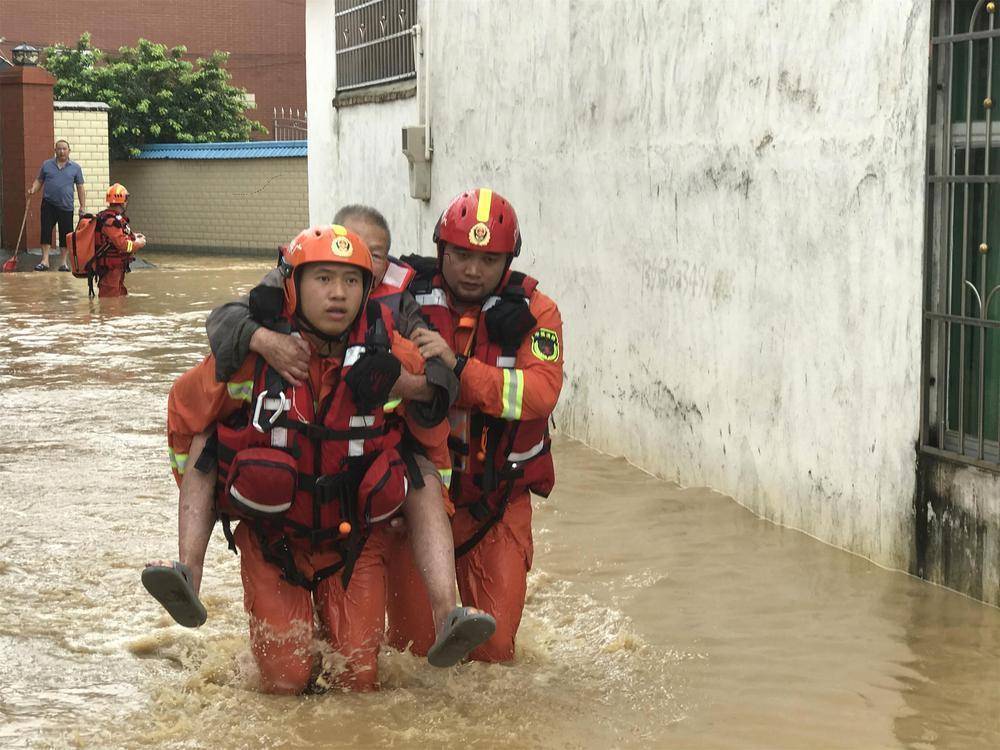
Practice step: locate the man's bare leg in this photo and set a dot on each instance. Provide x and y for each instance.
(45, 254)
(433, 547)
(195, 515)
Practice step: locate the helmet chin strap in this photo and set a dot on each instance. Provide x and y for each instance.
(312, 330)
(306, 325)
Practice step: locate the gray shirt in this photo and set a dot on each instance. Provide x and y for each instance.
(58, 183)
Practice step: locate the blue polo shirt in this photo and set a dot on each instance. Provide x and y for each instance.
(58, 183)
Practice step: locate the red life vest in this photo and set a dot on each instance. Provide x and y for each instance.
(107, 255)
(307, 474)
(493, 460)
(397, 278)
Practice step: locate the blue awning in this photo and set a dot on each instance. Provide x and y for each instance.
(238, 150)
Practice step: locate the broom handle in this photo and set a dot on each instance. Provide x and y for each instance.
(24, 221)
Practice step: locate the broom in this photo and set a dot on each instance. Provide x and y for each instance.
(11, 265)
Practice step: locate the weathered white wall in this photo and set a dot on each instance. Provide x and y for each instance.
(725, 199)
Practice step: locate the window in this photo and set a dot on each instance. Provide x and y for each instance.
(961, 338)
(374, 42)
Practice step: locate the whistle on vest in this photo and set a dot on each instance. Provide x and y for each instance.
(378, 338)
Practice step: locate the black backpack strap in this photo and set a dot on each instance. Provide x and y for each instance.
(227, 530)
(515, 284)
(490, 522)
(480, 509)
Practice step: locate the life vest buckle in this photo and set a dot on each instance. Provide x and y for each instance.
(284, 404)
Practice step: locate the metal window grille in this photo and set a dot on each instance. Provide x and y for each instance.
(290, 124)
(960, 394)
(374, 42)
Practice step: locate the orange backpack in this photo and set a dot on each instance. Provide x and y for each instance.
(82, 246)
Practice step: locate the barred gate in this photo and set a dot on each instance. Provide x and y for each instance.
(960, 393)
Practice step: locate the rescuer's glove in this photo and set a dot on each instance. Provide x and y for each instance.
(371, 378)
(266, 303)
(508, 321)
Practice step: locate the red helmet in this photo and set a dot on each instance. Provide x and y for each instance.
(331, 243)
(480, 220)
(116, 194)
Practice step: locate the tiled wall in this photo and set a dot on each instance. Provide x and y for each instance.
(87, 133)
(243, 206)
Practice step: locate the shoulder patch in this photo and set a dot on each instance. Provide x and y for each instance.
(545, 345)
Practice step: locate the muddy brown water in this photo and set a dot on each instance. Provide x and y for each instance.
(657, 616)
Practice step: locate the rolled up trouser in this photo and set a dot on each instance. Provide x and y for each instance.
(281, 615)
(492, 577)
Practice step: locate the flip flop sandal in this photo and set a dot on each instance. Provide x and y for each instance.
(41, 267)
(463, 631)
(171, 587)
(63, 268)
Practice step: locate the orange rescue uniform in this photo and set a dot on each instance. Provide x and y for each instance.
(492, 576)
(114, 254)
(281, 614)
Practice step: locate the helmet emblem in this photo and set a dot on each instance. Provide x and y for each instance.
(479, 235)
(295, 248)
(343, 247)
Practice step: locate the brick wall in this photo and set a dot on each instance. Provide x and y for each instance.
(265, 39)
(85, 126)
(242, 206)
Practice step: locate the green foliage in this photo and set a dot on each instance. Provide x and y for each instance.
(155, 95)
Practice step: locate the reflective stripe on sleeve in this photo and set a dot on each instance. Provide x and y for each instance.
(445, 476)
(128, 247)
(240, 391)
(391, 405)
(178, 461)
(513, 393)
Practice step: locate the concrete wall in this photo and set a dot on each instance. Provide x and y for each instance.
(726, 201)
(85, 126)
(216, 205)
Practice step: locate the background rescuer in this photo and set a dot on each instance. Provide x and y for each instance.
(503, 338)
(116, 244)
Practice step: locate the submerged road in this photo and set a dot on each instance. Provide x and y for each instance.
(657, 616)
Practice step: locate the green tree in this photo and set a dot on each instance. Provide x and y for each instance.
(155, 95)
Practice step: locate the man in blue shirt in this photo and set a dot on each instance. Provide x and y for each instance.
(58, 175)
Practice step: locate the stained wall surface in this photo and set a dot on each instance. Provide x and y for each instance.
(726, 201)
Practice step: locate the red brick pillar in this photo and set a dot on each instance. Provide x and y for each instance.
(26, 137)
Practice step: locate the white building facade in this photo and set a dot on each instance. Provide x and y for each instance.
(728, 202)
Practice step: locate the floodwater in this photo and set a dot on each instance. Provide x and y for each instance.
(657, 616)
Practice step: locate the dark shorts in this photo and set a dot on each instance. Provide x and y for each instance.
(52, 215)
